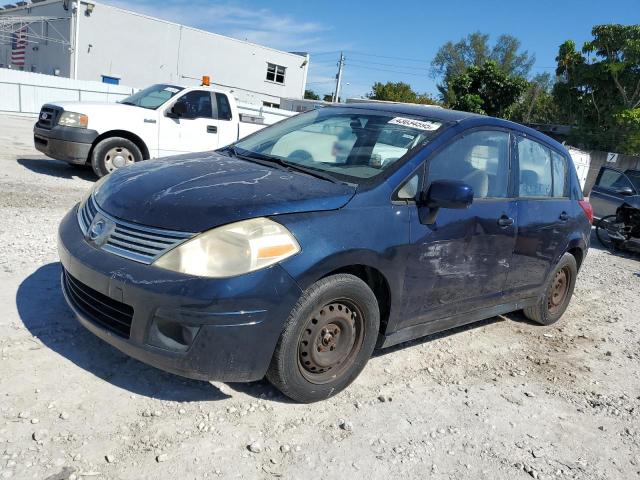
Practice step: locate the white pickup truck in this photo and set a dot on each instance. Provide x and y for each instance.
(158, 121)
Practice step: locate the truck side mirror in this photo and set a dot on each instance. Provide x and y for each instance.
(443, 194)
(178, 110)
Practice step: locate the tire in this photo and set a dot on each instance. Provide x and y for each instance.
(339, 342)
(112, 153)
(553, 303)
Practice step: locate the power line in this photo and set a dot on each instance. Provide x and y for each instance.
(422, 60)
(365, 67)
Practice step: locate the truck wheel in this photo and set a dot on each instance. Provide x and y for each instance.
(327, 339)
(557, 294)
(112, 153)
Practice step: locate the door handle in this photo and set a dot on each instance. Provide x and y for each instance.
(212, 129)
(564, 217)
(505, 221)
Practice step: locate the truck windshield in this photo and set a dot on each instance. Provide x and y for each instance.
(152, 97)
(355, 144)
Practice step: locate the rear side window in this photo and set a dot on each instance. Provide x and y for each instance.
(480, 159)
(560, 177)
(535, 169)
(224, 109)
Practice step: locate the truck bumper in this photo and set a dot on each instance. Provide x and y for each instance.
(65, 143)
(202, 328)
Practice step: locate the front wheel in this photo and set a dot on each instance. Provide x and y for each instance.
(557, 293)
(112, 153)
(327, 340)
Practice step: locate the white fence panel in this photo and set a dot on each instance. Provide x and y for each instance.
(26, 92)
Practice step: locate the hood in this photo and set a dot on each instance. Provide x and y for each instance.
(89, 108)
(199, 191)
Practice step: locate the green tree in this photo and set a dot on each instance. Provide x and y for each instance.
(536, 104)
(399, 92)
(599, 89)
(486, 89)
(453, 59)
(311, 95)
(327, 97)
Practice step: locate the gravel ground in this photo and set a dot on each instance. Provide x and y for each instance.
(503, 399)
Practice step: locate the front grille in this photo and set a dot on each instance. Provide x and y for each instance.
(136, 242)
(48, 117)
(100, 309)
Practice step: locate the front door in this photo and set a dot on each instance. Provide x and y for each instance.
(195, 131)
(546, 216)
(460, 263)
(610, 191)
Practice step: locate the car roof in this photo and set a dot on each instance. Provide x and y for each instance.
(444, 115)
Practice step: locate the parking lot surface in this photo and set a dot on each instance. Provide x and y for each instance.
(503, 399)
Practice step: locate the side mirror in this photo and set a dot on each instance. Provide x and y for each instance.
(626, 191)
(178, 110)
(444, 194)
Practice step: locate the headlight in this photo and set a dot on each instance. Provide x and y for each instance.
(233, 249)
(72, 119)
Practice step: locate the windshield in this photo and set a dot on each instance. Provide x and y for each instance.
(634, 176)
(152, 97)
(347, 142)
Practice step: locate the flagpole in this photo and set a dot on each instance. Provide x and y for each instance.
(76, 40)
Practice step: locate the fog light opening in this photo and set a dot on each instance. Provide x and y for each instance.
(166, 333)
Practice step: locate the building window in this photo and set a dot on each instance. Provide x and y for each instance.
(270, 104)
(275, 73)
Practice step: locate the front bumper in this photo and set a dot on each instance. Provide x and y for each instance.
(65, 143)
(236, 322)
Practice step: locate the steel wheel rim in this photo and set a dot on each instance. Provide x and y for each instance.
(330, 341)
(118, 157)
(559, 290)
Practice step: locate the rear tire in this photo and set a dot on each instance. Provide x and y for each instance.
(113, 153)
(327, 339)
(557, 294)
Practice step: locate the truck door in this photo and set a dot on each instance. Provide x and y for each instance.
(227, 125)
(196, 130)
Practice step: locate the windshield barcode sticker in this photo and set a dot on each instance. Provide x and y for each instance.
(171, 89)
(419, 124)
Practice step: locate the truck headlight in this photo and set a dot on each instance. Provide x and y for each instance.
(231, 250)
(72, 119)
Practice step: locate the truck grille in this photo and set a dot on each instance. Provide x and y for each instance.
(132, 241)
(100, 309)
(48, 117)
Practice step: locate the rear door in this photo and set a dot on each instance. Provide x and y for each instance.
(609, 193)
(196, 131)
(227, 125)
(545, 215)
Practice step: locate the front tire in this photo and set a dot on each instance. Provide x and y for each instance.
(557, 294)
(327, 339)
(113, 153)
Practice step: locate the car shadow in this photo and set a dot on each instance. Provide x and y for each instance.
(56, 168)
(45, 314)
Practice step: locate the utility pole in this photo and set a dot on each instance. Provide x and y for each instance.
(336, 94)
(76, 39)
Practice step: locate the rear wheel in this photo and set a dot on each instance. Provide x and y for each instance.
(558, 293)
(327, 340)
(113, 153)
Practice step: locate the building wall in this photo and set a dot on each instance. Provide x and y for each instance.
(141, 50)
(43, 56)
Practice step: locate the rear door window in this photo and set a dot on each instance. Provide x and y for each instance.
(560, 177)
(534, 161)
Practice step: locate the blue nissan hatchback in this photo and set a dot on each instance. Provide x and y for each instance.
(296, 251)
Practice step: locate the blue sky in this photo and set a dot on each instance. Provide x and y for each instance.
(391, 40)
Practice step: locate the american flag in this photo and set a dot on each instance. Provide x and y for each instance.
(18, 46)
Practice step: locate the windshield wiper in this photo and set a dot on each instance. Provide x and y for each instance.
(261, 157)
(128, 103)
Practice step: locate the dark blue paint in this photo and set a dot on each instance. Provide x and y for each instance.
(465, 266)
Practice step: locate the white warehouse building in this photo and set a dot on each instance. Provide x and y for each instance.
(93, 41)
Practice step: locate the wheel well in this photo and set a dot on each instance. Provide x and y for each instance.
(378, 284)
(124, 134)
(577, 254)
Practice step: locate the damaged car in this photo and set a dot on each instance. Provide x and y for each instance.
(296, 251)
